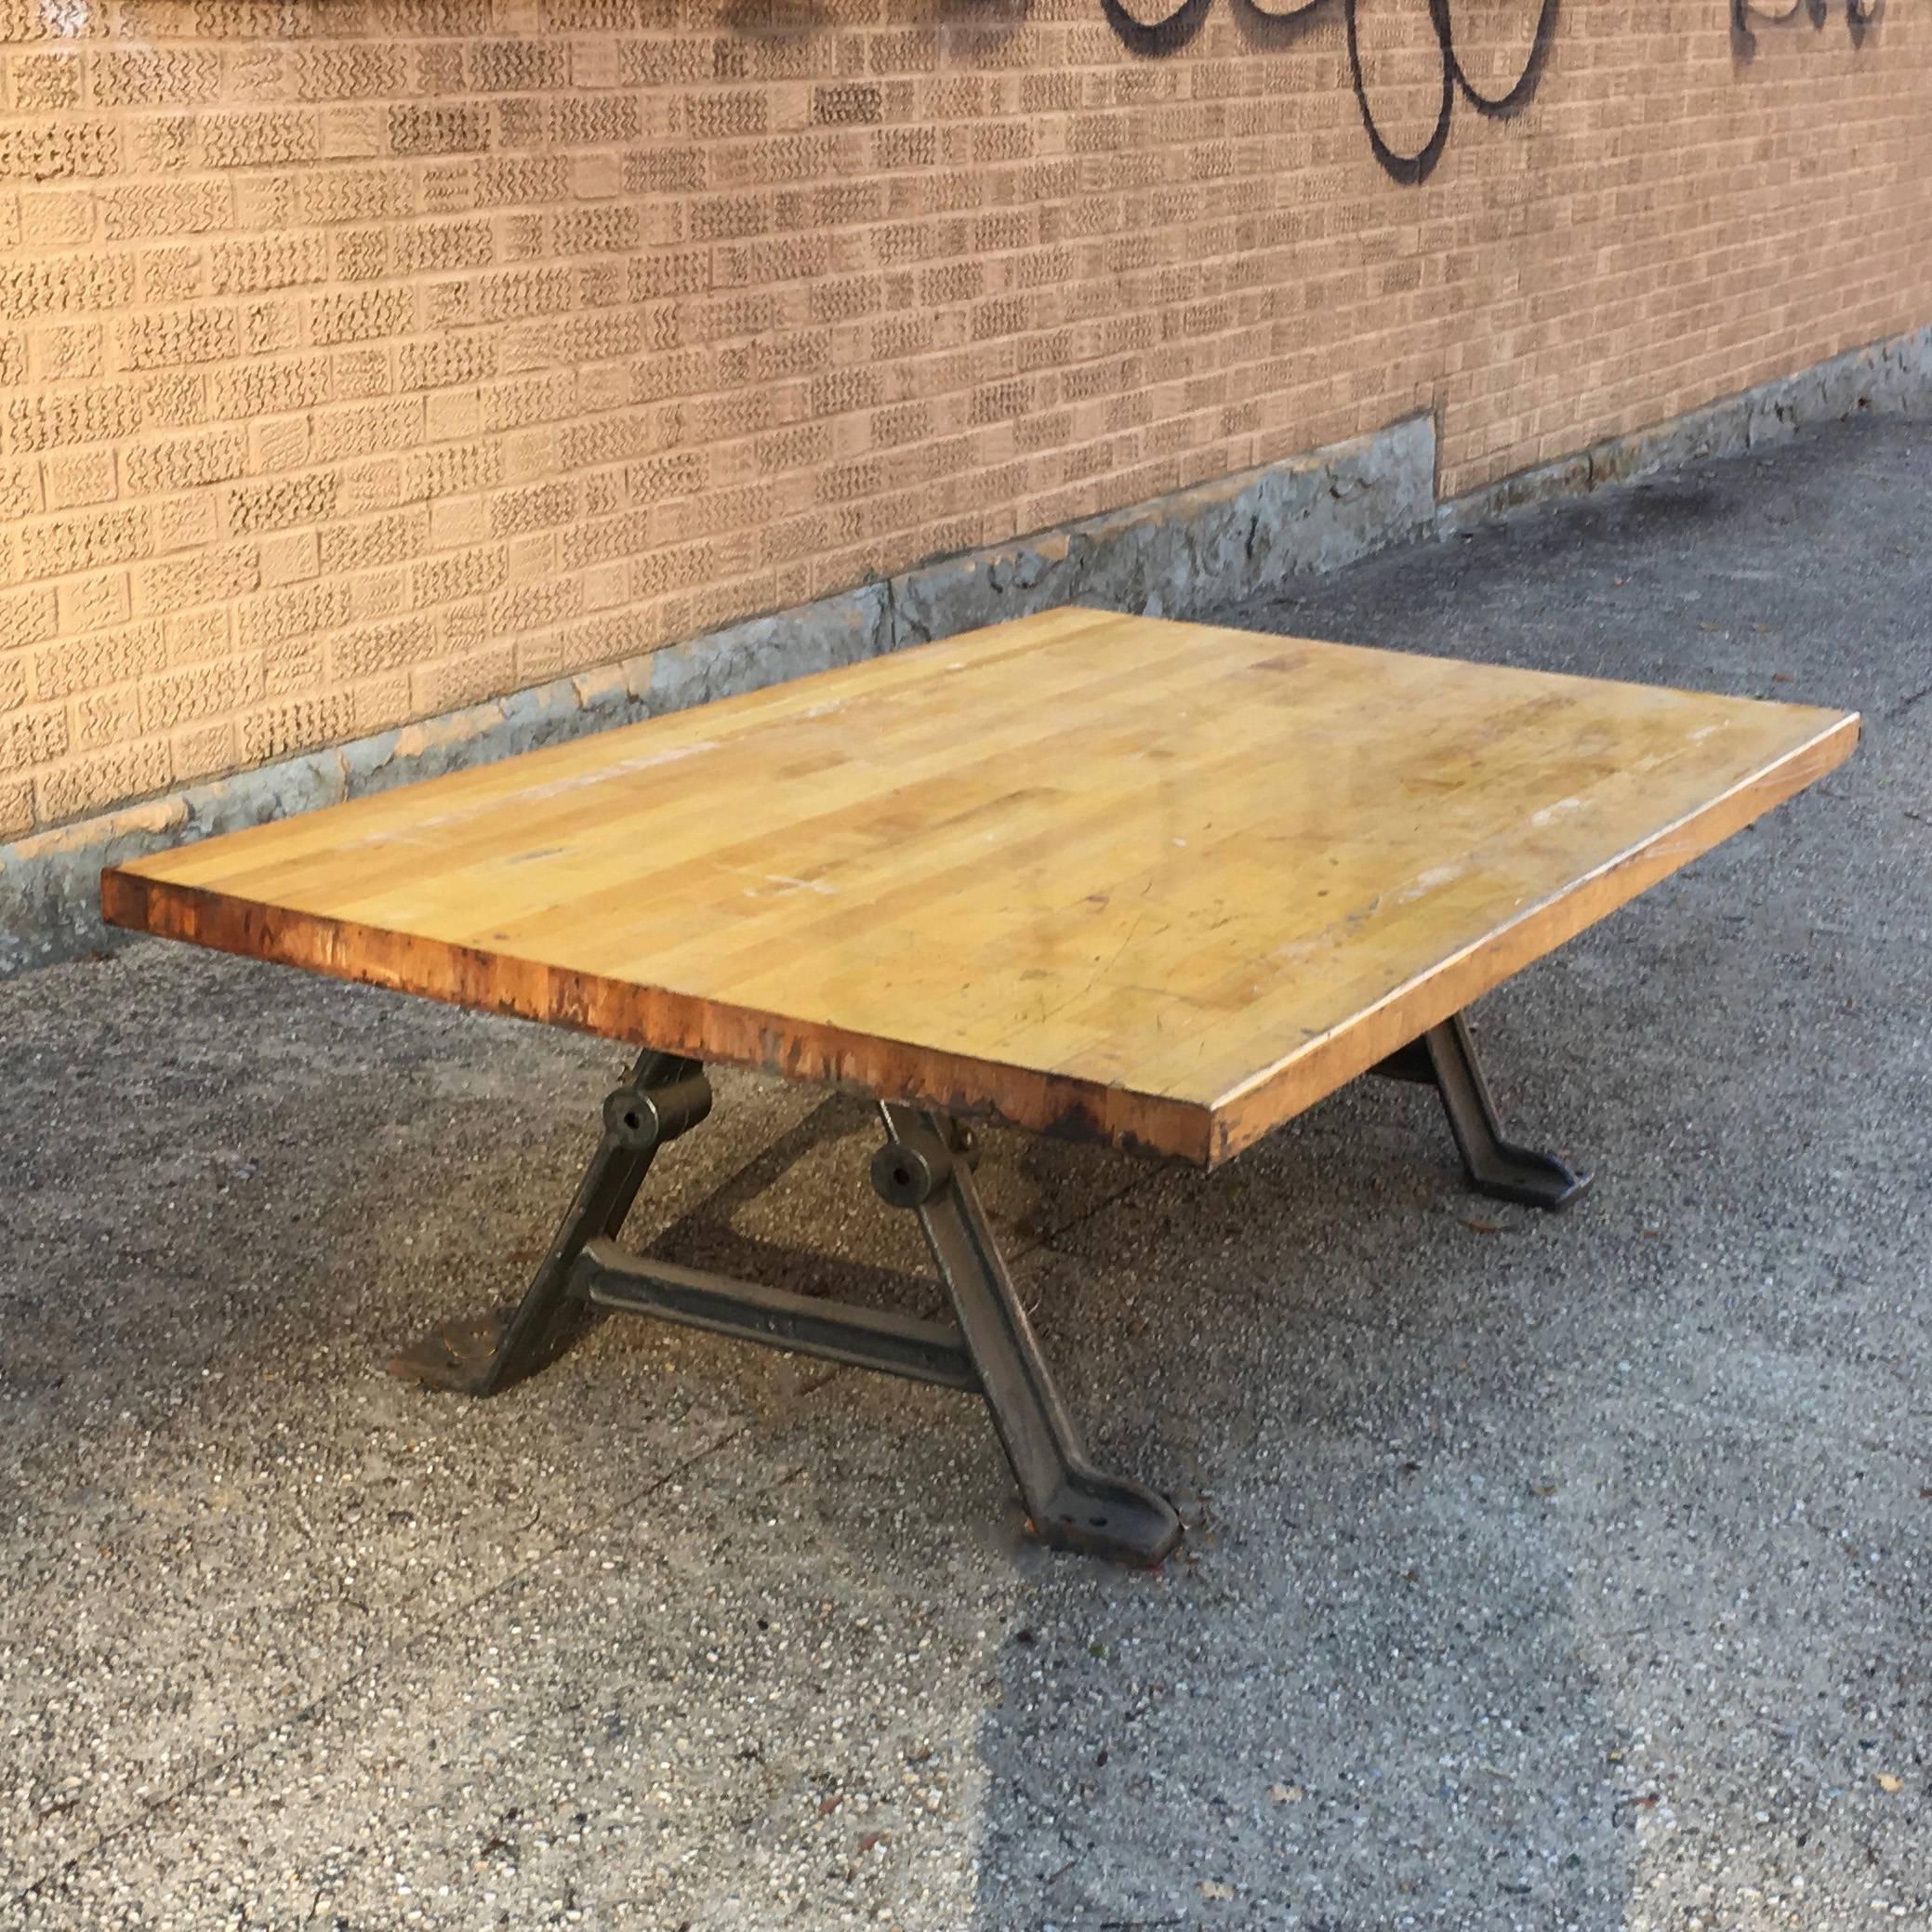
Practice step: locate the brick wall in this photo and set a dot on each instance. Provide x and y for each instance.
(360, 359)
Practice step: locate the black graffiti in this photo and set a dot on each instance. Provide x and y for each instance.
(1276, 25)
(1747, 15)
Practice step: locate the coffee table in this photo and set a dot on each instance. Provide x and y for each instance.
(1153, 885)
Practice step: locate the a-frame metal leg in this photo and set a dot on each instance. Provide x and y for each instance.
(663, 1097)
(923, 1165)
(1445, 1058)
(1073, 1504)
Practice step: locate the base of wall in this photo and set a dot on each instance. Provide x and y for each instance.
(1173, 557)
(1884, 378)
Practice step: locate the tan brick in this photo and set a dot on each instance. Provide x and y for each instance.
(194, 637)
(94, 602)
(103, 718)
(179, 521)
(183, 462)
(201, 576)
(33, 737)
(261, 388)
(84, 539)
(372, 648)
(56, 217)
(296, 724)
(373, 541)
(252, 507)
(710, 319)
(16, 808)
(198, 691)
(264, 622)
(201, 751)
(360, 373)
(292, 557)
(83, 785)
(458, 521)
(361, 317)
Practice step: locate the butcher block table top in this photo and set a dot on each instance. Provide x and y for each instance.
(1137, 880)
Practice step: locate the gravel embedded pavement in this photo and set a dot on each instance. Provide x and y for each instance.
(1542, 1573)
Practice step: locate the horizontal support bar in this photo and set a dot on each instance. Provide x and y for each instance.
(611, 1276)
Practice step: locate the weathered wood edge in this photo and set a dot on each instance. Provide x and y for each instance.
(1056, 1105)
(1317, 1068)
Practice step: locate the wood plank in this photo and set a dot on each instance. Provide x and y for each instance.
(1159, 883)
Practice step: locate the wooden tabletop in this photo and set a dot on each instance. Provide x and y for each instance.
(1149, 883)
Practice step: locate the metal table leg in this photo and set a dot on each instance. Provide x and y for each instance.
(477, 1355)
(1445, 1058)
(1074, 1505)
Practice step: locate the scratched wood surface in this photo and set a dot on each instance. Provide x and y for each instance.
(1152, 882)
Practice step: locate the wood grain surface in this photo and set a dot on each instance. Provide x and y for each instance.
(1151, 882)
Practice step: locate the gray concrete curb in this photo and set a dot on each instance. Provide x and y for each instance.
(1887, 378)
(1175, 556)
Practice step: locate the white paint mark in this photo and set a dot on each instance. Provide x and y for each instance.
(557, 787)
(1550, 813)
(801, 885)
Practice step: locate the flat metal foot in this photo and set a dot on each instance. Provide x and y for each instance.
(1074, 1505)
(1445, 1058)
(459, 1355)
(479, 1354)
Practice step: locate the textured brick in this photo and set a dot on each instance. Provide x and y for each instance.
(196, 637)
(360, 317)
(438, 127)
(95, 663)
(94, 602)
(296, 724)
(279, 615)
(393, 538)
(82, 540)
(162, 208)
(168, 337)
(43, 149)
(103, 718)
(20, 490)
(33, 737)
(267, 262)
(199, 691)
(257, 388)
(87, 784)
(215, 572)
(63, 284)
(182, 462)
(381, 647)
(286, 500)
(154, 76)
(270, 138)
